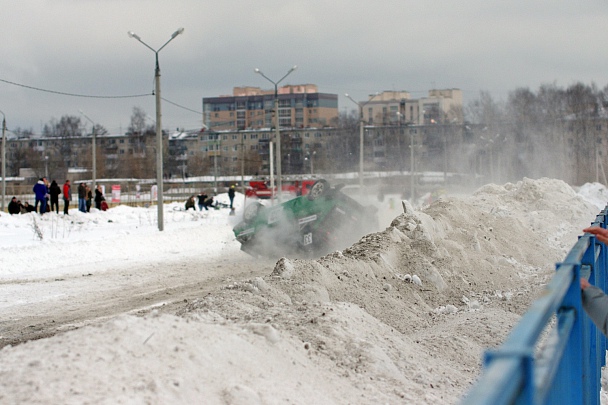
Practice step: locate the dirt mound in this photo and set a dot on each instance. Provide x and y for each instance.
(414, 305)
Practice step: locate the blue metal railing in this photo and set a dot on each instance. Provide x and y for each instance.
(554, 355)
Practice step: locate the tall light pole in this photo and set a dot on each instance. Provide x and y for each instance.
(361, 129)
(159, 133)
(3, 158)
(277, 131)
(94, 151)
(412, 167)
(310, 155)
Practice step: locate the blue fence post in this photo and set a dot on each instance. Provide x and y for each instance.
(591, 370)
(567, 389)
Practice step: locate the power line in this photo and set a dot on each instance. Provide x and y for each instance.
(72, 94)
(181, 106)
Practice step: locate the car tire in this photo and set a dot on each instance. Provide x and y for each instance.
(318, 189)
(251, 211)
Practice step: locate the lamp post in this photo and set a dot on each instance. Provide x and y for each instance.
(412, 169)
(159, 134)
(3, 158)
(310, 155)
(278, 132)
(361, 129)
(94, 152)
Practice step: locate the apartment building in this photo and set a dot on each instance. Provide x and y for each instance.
(300, 106)
(394, 107)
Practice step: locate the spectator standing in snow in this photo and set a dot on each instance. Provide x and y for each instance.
(40, 190)
(595, 301)
(201, 200)
(231, 195)
(98, 197)
(82, 196)
(67, 196)
(13, 207)
(89, 199)
(54, 191)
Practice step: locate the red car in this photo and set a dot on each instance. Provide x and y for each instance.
(261, 188)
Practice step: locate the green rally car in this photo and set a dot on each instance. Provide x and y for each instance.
(311, 225)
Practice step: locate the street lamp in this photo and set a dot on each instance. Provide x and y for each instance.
(94, 151)
(309, 156)
(412, 166)
(277, 131)
(361, 129)
(3, 158)
(159, 134)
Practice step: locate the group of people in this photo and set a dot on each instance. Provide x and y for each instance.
(16, 207)
(47, 198)
(204, 201)
(44, 193)
(85, 197)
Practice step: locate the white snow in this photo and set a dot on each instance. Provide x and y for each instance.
(350, 328)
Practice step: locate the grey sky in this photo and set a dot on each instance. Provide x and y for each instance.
(356, 47)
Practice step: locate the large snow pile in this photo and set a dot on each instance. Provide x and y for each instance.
(402, 316)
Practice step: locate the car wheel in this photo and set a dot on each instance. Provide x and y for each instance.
(251, 211)
(321, 187)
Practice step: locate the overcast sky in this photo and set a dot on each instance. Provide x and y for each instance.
(344, 46)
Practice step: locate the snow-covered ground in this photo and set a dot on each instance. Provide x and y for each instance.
(402, 316)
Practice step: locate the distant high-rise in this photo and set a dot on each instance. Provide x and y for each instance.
(392, 107)
(300, 106)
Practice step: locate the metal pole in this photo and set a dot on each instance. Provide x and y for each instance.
(159, 133)
(242, 166)
(412, 168)
(3, 159)
(94, 160)
(361, 129)
(361, 139)
(94, 152)
(278, 136)
(271, 157)
(159, 148)
(277, 131)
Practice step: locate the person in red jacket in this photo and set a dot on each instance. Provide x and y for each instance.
(67, 196)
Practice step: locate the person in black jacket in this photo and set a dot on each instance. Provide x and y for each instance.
(54, 191)
(14, 207)
(98, 197)
(231, 193)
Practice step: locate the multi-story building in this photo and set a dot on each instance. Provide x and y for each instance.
(300, 106)
(393, 107)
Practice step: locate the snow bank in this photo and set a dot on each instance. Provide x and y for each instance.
(351, 327)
